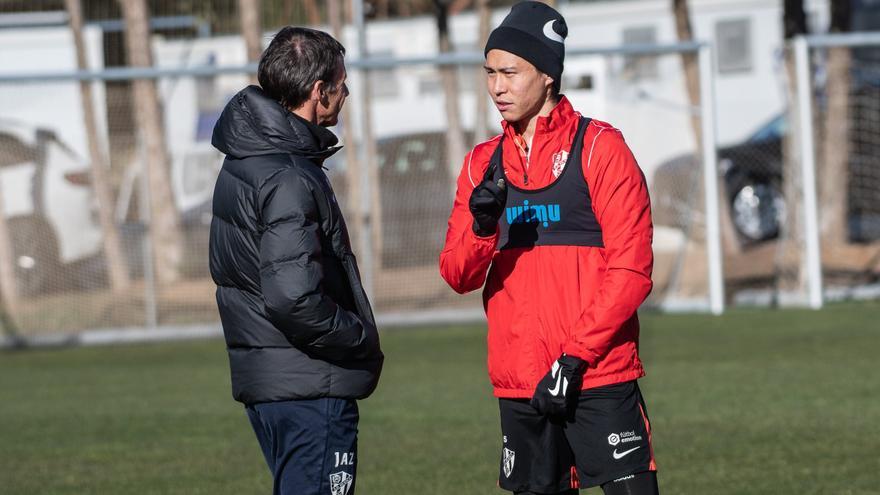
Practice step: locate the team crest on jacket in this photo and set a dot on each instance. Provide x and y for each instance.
(559, 160)
(507, 462)
(340, 483)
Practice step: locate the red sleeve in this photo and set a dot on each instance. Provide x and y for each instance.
(622, 207)
(465, 258)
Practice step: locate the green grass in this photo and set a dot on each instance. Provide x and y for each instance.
(753, 402)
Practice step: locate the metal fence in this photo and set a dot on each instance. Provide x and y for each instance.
(396, 199)
(727, 229)
(836, 232)
(416, 174)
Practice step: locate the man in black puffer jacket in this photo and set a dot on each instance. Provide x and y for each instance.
(300, 334)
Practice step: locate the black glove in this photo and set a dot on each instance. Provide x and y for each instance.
(558, 391)
(486, 205)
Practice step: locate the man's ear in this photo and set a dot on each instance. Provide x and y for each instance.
(319, 91)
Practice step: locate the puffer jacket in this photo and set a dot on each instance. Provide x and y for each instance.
(296, 319)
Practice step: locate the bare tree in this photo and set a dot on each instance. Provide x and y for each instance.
(683, 29)
(249, 10)
(481, 124)
(287, 10)
(371, 216)
(116, 263)
(165, 232)
(8, 287)
(404, 9)
(681, 12)
(382, 8)
(833, 171)
(313, 13)
(347, 12)
(9, 297)
(457, 6)
(455, 148)
(352, 167)
(790, 273)
(836, 154)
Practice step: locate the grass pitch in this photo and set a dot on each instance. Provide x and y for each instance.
(771, 402)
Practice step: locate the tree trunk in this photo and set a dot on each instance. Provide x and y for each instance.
(833, 170)
(481, 107)
(113, 253)
(313, 13)
(250, 30)
(8, 287)
(288, 9)
(165, 232)
(403, 8)
(690, 63)
(369, 143)
(790, 274)
(372, 216)
(352, 167)
(458, 6)
(347, 13)
(382, 9)
(455, 148)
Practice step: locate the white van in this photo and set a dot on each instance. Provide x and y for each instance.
(48, 203)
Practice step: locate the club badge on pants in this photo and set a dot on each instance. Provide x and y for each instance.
(509, 457)
(340, 483)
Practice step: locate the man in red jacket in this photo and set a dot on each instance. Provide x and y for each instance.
(556, 210)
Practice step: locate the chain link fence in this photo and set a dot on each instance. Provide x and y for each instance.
(842, 74)
(62, 272)
(803, 188)
(397, 192)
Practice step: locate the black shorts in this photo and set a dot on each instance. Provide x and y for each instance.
(608, 438)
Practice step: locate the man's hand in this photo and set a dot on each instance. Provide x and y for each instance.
(558, 391)
(486, 205)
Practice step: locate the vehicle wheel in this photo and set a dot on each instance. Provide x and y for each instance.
(757, 208)
(35, 255)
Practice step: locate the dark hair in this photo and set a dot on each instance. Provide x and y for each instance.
(295, 59)
(556, 90)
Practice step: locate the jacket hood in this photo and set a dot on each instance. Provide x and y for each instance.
(253, 124)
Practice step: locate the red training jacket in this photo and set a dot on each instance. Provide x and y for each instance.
(546, 300)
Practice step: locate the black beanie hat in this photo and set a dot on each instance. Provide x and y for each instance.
(535, 32)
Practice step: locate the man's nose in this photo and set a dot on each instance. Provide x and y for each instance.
(497, 85)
